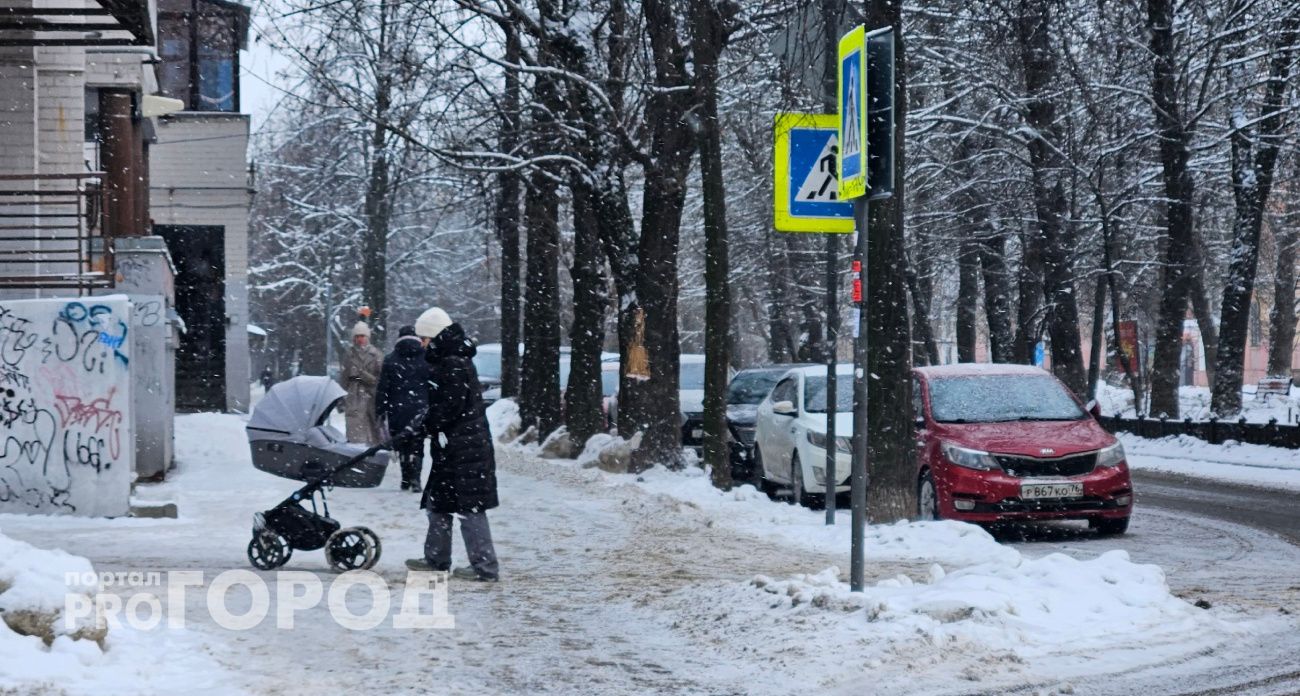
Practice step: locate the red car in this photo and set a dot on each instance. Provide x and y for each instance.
(998, 443)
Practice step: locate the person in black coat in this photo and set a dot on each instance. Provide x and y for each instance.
(401, 399)
(462, 475)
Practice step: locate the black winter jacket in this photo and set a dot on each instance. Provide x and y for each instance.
(463, 475)
(403, 392)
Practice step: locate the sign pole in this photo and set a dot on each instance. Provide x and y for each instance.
(832, 343)
(858, 482)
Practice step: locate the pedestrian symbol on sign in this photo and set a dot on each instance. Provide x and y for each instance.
(806, 189)
(822, 182)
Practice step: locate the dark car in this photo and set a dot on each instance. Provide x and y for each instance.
(747, 390)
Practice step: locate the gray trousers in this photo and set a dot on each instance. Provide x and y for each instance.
(474, 530)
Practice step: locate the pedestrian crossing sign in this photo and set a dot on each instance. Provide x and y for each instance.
(807, 190)
(852, 122)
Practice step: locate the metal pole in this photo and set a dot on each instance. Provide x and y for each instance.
(859, 478)
(832, 341)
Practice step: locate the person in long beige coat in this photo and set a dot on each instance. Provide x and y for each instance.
(360, 377)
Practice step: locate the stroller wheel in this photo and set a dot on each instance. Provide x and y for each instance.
(268, 550)
(374, 541)
(351, 548)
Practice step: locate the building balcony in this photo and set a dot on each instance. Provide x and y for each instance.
(52, 232)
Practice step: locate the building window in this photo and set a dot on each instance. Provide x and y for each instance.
(199, 42)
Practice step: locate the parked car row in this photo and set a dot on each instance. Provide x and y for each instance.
(994, 442)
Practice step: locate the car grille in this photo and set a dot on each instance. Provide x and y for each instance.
(1030, 467)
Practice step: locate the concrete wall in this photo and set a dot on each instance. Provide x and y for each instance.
(198, 171)
(66, 395)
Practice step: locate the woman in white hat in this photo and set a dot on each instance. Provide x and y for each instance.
(462, 476)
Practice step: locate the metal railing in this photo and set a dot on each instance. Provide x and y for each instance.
(1213, 431)
(52, 232)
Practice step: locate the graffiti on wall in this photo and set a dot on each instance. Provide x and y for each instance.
(65, 406)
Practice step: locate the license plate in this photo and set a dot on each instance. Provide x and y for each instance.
(698, 433)
(1051, 489)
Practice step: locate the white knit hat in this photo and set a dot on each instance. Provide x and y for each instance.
(431, 323)
(361, 328)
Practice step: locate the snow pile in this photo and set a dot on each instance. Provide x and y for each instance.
(1044, 615)
(609, 453)
(34, 587)
(748, 511)
(1029, 606)
(503, 420)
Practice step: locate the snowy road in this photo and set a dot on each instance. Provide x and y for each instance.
(609, 588)
(1225, 544)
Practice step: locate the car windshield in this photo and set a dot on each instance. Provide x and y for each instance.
(814, 394)
(692, 375)
(608, 382)
(752, 387)
(997, 398)
(488, 365)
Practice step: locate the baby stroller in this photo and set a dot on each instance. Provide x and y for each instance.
(290, 438)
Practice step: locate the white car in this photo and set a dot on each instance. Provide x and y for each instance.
(790, 434)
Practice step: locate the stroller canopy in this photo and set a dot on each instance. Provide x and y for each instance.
(293, 406)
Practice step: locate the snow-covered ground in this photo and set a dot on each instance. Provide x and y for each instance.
(615, 583)
(1256, 465)
(1194, 403)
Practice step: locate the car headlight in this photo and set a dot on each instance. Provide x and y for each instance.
(969, 458)
(844, 445)
(1111, 456)
(817, 439)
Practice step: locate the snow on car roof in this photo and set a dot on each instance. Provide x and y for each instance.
(820, 370)
(973, 369)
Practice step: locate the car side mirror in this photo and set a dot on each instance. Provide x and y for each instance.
(783, 408)
(1094, 407)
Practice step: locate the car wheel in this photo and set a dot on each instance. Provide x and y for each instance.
(798, 494)
(1109, 527)
(927, 498)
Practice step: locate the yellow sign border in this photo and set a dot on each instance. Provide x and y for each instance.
(854, 41)
(784, 221)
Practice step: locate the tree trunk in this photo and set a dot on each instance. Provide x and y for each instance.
(1056, 241)
(708, 37)
(1174, 156)
(379, 205)
(780, 342)
(506, 220)
(968, 289)
(539, 396)
(1029, 290)
(582, 409)
(997, 298)
(920, 291)
(1282, 319)
(1098, 347)
(656, 402)
(1254, 158)
(891, 467)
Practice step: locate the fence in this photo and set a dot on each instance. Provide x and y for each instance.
(1213, 431)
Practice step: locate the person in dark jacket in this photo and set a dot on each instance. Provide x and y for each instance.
(462, 476)
(402, 398)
